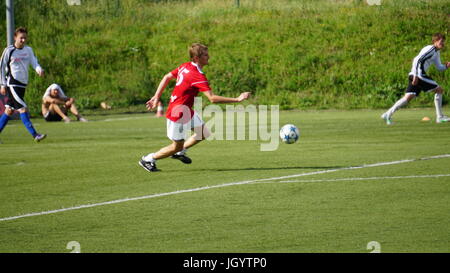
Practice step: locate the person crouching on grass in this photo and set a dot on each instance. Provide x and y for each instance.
(55, 105)
(420, 81)
(190, 80)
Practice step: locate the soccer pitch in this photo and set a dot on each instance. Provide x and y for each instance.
(348, 181)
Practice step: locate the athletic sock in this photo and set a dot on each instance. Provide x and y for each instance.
(149, 158)
(400, 103)
(182, 152)
(3, 121)
(26, 121)
(438, 104)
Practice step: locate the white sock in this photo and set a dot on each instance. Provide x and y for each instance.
(438, 104)
(182, 152)
(149, 158)
(399, 104)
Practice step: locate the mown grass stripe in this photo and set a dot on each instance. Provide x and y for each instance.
(216, 186)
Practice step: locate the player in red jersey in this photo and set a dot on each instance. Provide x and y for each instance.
(180, 115)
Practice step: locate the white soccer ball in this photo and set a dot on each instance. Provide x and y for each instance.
(289, 133)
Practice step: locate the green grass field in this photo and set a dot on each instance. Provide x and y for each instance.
(333, 211)
(299, 54)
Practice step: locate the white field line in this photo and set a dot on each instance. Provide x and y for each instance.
(356, 179)
(214, 187)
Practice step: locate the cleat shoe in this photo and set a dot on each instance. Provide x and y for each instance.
(148, 166)
(387, 119)
(183, 158)
(442, 119)
(39, 137)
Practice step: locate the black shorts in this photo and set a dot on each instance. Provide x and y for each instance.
(423, 85)
(15, 97)
(52, 116)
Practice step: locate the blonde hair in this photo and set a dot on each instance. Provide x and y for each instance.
(197, 50)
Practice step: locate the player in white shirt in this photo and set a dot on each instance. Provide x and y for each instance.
(420, 81)
(55, 105)
(14, 65)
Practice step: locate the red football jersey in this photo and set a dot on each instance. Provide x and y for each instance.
(190, 81)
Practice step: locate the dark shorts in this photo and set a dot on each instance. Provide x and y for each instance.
(428, 84)
(52, 117)
(15, 97)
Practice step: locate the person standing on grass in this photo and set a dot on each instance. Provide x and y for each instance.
(14, 65)
(190, 80)
(420, 81)
(55, 105)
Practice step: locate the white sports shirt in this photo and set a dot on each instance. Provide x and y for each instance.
(14, 65)
(421, 63)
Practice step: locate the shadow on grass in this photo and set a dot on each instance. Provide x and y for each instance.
(262, 169)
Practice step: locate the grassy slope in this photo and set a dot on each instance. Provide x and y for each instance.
(95, 162)
(299, 54)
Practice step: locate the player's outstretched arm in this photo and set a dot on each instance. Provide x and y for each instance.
(153, 102)
(219, 99)
(437, 62)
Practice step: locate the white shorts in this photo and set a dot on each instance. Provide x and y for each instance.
(176, 131)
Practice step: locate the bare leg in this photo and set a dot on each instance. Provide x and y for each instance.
(45, 109)
(5, 117)
(9, 111)
(200, 133)
(74, 111)
(55, 108)
(169, 150)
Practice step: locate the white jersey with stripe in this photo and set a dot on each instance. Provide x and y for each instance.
(15, 63)
(57, 87)
(428, 55)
